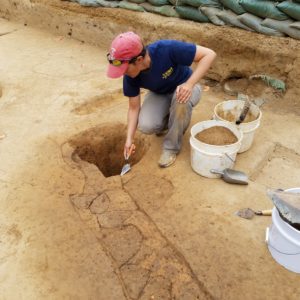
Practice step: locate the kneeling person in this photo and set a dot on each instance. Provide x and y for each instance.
(163, 68)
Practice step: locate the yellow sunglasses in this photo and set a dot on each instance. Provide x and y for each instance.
(119, 62)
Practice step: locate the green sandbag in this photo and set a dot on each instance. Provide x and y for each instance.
(230, 18)
(290, 8)
(136, 1)
(105, 3)
(198, 3)
(130, 6)
(93, 3)
(295, 25)
(263, 9)
(254, 22)
(283, 26)
(234, 6)
(190, 13)
(212, 14)
(158, 2)
(176, 2)
(165, 10)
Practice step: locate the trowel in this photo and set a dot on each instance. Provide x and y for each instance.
(232, 176)
(126, 168)
(244, 111)
(248, 213)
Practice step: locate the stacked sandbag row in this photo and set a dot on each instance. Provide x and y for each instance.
(277, 18)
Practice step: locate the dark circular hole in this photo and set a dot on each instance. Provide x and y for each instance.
(103, 146)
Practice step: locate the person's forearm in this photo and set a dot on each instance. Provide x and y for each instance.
(132, 119)
(201, 68)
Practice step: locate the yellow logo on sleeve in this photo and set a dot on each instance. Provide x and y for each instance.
(167, 73)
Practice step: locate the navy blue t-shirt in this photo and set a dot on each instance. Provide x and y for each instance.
(170, 61)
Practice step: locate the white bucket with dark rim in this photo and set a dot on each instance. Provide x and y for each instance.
(205, 157)
(283, 240)
(233, 109)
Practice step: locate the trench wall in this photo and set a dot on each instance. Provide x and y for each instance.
(240, 53)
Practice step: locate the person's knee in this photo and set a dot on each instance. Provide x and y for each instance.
(196, 95)
(146, 127)
(150, 126)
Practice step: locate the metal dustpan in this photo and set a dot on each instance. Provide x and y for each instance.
(232, 176)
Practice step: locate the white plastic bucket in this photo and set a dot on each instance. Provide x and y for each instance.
(283, 240)
(205, 157)
(234, 108)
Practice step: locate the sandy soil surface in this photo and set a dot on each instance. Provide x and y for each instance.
(72, 228)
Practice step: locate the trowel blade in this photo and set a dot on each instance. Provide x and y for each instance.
(246, 213)
(126, 168)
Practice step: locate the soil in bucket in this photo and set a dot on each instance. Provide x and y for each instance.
(230, 117)
(216, 135)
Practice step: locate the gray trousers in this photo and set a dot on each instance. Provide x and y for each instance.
(162, 111)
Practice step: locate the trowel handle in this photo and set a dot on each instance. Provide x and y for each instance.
(131, 150)
(267, 212)
(214, 171)
(244, 112)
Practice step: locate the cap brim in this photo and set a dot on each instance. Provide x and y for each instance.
(116, 72)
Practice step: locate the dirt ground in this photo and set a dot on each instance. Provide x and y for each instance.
(72, 228)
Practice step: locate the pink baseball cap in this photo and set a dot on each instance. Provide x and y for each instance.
(124, 47)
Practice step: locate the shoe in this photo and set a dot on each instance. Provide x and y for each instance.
(167, 158)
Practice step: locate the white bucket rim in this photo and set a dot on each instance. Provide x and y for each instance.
(219, 104)
(253, 129)
(192, 140)
(239, 139)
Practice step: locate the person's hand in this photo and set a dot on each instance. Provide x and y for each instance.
(184, 92)
(129, 149)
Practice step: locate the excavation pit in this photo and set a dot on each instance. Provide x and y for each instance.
(103, 146)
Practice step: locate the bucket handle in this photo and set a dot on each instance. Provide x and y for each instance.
(271, 246)
(228, 157)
